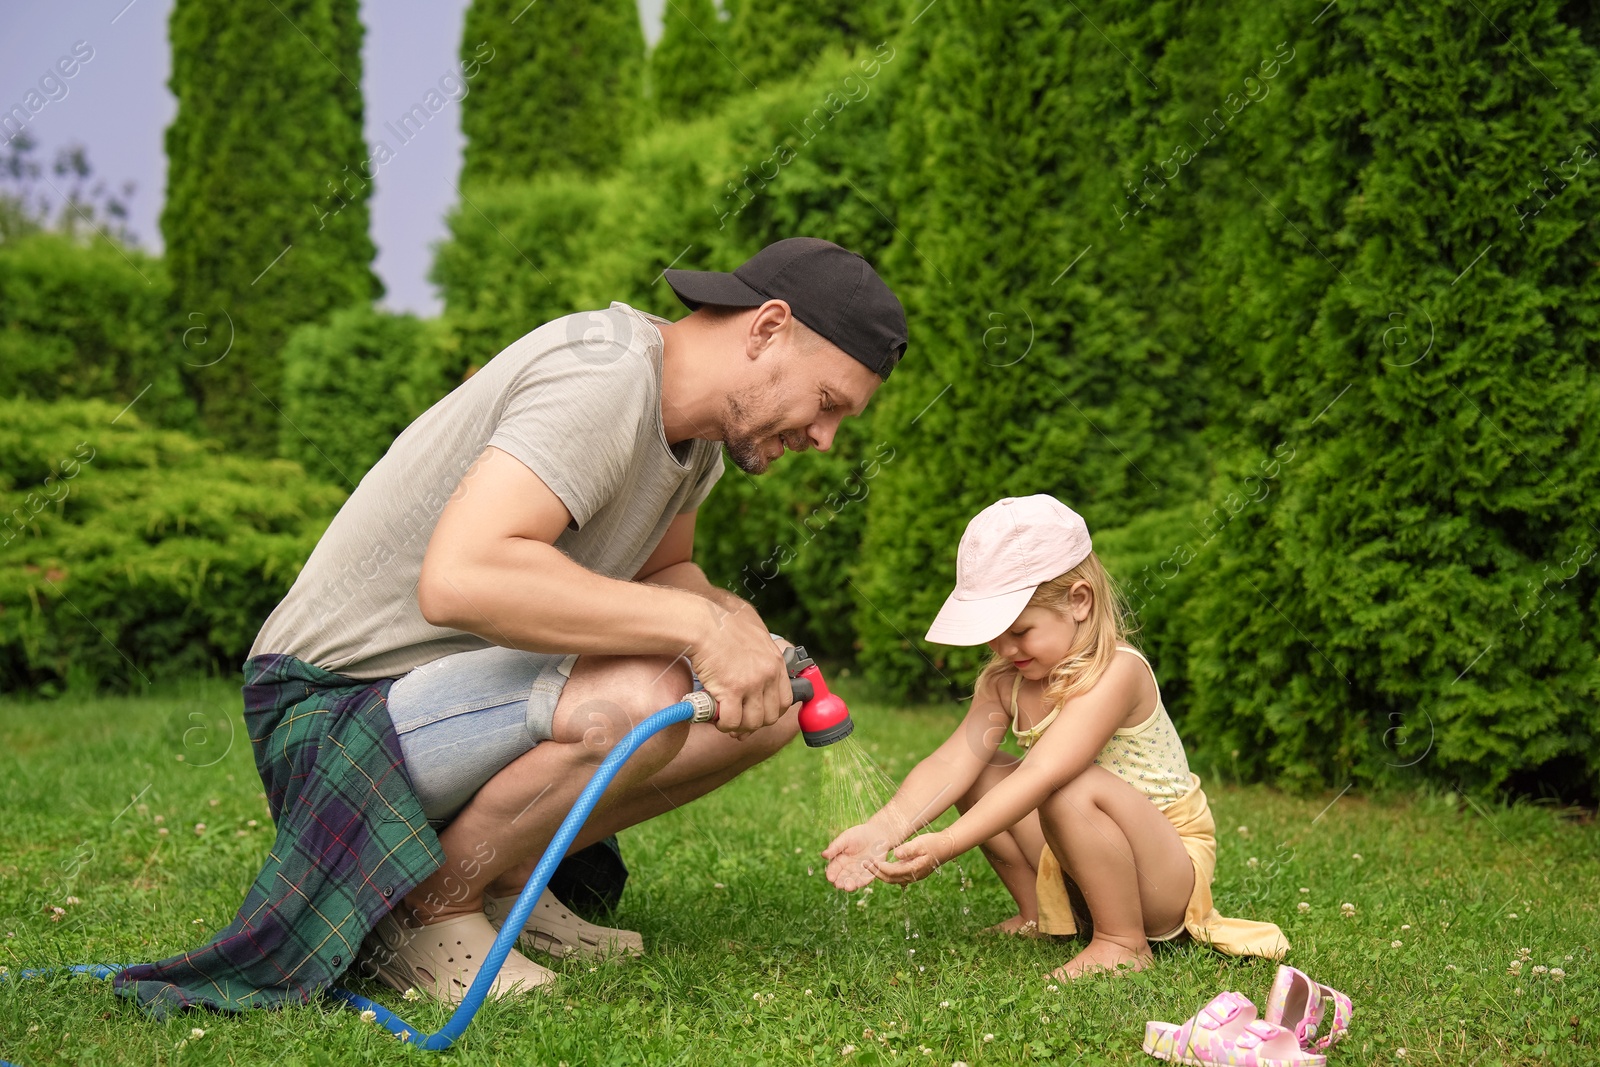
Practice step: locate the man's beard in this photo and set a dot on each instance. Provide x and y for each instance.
(745, 447)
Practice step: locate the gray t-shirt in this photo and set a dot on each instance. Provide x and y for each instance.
(578, 401)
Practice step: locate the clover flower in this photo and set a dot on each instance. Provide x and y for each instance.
(1303, 907)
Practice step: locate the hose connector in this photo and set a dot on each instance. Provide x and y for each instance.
(705, 708)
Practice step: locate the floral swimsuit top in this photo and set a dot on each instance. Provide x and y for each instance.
(1148, 757)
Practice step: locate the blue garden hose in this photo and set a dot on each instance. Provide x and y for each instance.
(697, 706)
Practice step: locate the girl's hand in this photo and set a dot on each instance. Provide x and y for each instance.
(851, 855)
(916, 859)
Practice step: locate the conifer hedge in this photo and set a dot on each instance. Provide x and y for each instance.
(1419, 598)
(774, 39)
(691, 66)
(265, 221)
(561, 88)
(1300, 334)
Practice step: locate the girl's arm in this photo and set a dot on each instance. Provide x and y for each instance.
(1065, 751)
(931, 787)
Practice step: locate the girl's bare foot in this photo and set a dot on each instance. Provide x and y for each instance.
(1104, 955)
(1015, 925)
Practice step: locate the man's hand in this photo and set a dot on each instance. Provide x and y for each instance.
(851, 855)
(742, 668)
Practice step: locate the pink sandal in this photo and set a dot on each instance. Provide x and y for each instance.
(1226, 1031)
(1299, 1004)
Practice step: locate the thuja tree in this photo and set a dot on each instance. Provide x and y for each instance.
(1409, 322)
(562, 87)
(691, 67)
(265, 221)
(1052, 341)
(775, 38)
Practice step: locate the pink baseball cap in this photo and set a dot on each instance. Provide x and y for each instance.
(1009, 549)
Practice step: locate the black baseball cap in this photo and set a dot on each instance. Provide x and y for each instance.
(833, 290)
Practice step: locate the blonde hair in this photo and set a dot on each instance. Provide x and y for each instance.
(1095, 643)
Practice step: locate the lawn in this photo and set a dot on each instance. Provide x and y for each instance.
(753, 958)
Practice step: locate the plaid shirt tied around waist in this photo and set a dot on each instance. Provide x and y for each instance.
(351, 842)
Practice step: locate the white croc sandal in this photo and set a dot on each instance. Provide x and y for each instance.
(442, 959)
(554, 929)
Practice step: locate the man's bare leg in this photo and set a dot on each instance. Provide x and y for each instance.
(497, 838)
(708, 760)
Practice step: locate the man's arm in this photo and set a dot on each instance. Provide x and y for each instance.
(672, 564)
(492, 569)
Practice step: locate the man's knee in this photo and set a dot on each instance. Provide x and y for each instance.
(609, 695)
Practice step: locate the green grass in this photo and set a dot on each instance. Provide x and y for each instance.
(732, 904)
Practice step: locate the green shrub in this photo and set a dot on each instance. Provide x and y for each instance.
(127, 551)
(352, 385)
(88, 319)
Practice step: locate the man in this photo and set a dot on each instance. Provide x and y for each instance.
(506, 593)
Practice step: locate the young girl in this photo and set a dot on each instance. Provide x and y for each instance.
(1102, 809)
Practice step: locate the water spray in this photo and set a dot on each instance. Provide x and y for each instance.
(824, 719)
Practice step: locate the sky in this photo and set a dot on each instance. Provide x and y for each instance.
(117, 105)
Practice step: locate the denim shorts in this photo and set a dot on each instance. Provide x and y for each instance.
(462, 718)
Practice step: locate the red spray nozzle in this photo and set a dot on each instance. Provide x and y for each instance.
(824, 718)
